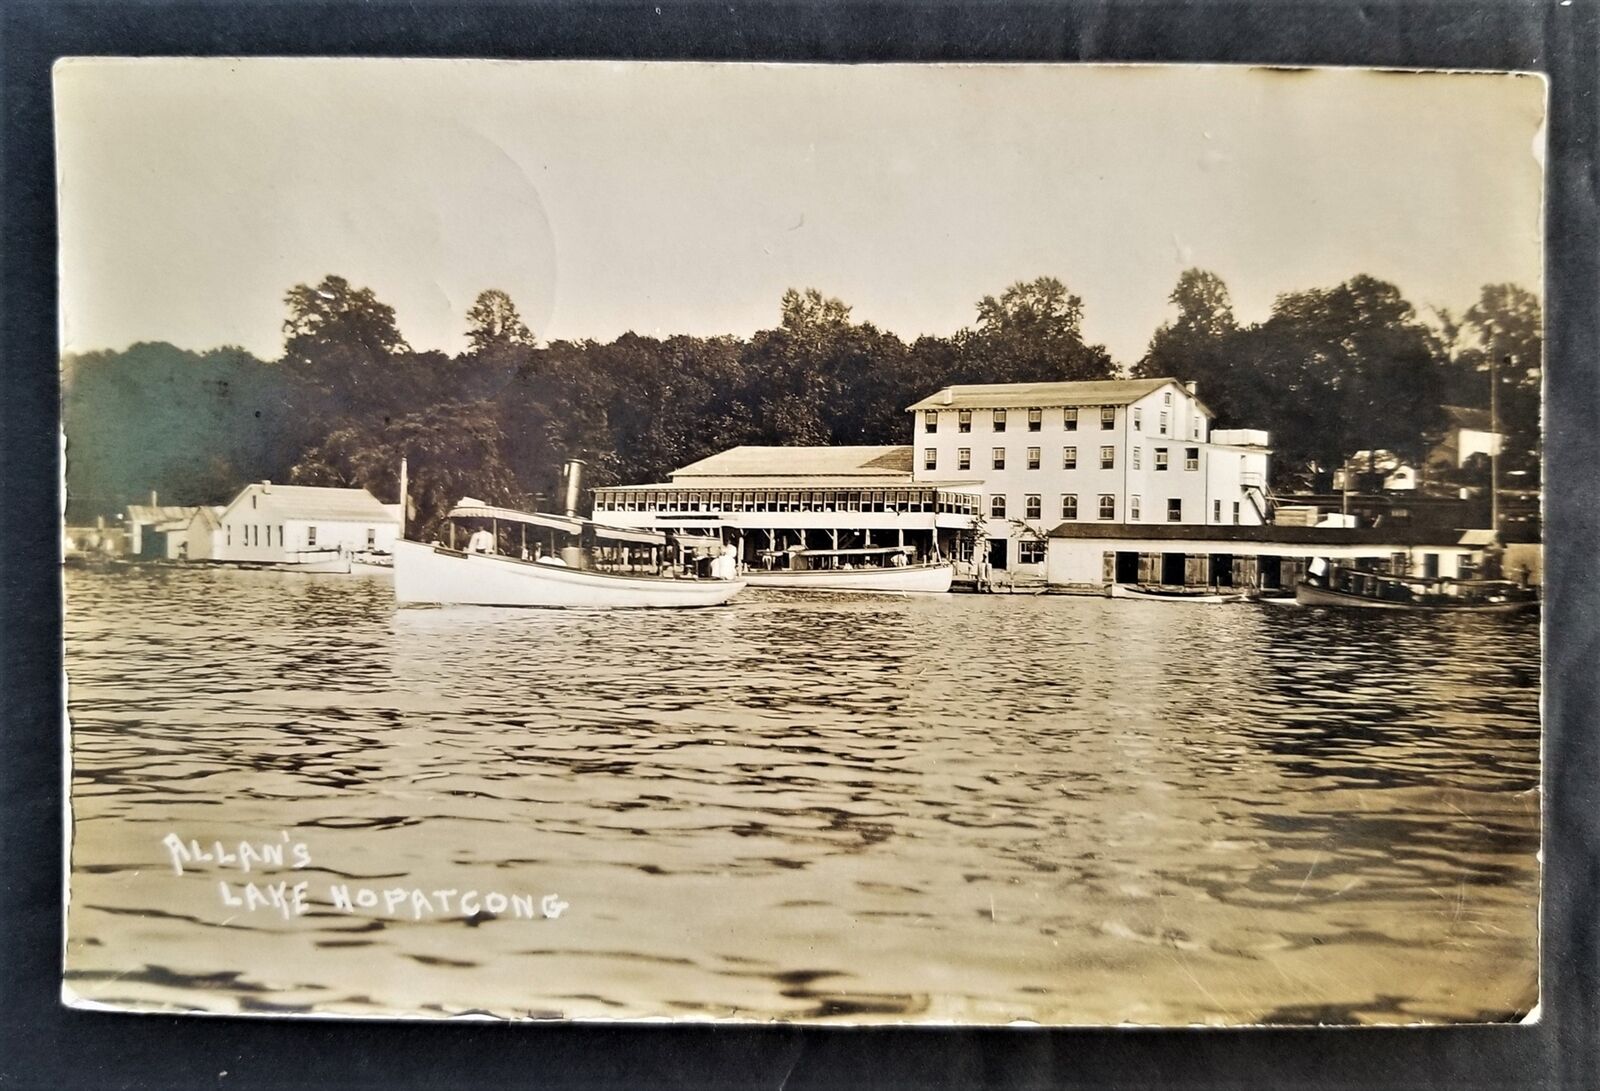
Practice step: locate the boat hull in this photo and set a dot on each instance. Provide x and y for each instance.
(426, 575)
(1307, 595)
(929, 579)
(331, 566)
(1126, 591)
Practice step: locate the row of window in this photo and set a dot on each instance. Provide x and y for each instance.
(250, 534)
(999, 417)
(815, 500)
(1069, 458)
(1033, 507)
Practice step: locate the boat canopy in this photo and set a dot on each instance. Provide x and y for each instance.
(470, 508)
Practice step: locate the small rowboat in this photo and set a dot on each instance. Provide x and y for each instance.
(1150, 593)
(327, 562)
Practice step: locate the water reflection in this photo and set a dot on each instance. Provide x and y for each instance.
(1052, 809)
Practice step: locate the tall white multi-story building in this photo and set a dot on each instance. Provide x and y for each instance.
(1124, 451)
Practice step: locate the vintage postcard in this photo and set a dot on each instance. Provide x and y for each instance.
(950, 544)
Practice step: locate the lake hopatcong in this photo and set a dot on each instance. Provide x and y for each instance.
(943, 809)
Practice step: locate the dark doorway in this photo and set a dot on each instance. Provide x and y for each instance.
(1430, 566)
(1222, 569)
(1127, 567)
(1271, 571)
(997, 553)
(1172, 568)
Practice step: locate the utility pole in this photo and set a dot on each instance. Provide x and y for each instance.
(1494, 445)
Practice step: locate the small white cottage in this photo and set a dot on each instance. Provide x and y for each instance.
(269, 523)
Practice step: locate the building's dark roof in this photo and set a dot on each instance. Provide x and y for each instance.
(1287, 535)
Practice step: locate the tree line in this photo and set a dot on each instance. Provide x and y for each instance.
(1330, 372)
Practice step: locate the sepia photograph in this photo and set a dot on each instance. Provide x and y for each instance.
(953, 544)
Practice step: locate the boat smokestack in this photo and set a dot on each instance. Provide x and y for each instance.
(571, 486)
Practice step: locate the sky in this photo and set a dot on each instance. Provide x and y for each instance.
(671, 198)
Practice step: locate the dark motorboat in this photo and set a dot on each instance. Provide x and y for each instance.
(1379, 591)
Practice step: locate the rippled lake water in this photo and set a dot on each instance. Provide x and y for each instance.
(962, 808)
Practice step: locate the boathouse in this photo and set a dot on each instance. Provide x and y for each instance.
(155, 532)
(274, 524)
(1091, 557)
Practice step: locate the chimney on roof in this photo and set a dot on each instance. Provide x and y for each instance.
(1193, 389)
(266, 486)
(153, 498)
(947, 395)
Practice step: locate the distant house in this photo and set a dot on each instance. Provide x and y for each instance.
(203, 535)
(269, 523)
(1375, 471)
(156, 531)
(1469, 432)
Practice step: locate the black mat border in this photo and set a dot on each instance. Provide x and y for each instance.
(43, 1045)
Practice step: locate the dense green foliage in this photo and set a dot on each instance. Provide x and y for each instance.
(1330, 372)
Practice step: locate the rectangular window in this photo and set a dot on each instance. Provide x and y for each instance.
(1069, 458)
(930, 458)
(1069, 506)
(999, 420)
(1035, 419)
(999, 458)
(1108, 458)
(1108, 417)
(1163, 422)
(311, 536)
(1175, 510)
(1166, 399)
(1069, 418)
(997, 506)
(227, 534)
(1216, 511)
(372, 536)
(1191, 458)
(964, 420)
(930, 420)
(1033, 458)
(1194, 430)
(1108, 506)
(1161, 458)
(1032, 508)
(1137, 453)
(1236, 513)
(964, 458)
(1133, 509)
(1030, 552)
(1138, 419)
